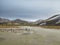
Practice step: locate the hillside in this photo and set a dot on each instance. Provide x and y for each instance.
(15, 22)
(52, 21)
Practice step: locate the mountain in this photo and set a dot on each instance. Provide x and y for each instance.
(54, 20)
(18, 21)
(38, 21)
(2, 20)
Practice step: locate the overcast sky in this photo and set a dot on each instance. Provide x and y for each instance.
(29, 9)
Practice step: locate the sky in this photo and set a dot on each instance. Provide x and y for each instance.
(29, 10)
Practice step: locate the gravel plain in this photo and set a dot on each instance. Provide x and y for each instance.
(29, 35)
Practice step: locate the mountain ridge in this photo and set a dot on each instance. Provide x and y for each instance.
(52, 21)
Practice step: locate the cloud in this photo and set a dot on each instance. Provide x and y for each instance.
(29, 9)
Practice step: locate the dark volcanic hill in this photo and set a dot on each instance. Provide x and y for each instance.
(54, 20)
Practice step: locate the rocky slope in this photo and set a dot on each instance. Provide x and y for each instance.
(54, 20)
